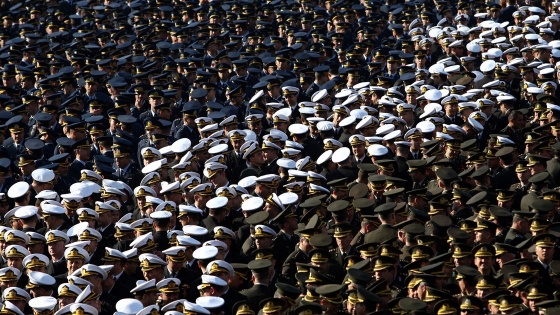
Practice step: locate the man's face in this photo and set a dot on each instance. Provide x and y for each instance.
(164, 113)
(536, 169)
(524, 176)
(91, 87)
(173, 265)
(140, 201)
(148, 160)
(152, 274)
(544, 254)
(337, 118)
(291, 99)
(484, 263)
(65, 300)
(237, 144)
(344, 242)
(359, 150)
(263, 242)
(291, 222)
(420, 62)
(481, 236)
(216, 180)
(169, 297)
(271, 209)
(151, 297)
(92, 246)
(352, 80)
(36, 248)
(519, 122)
(457, 51)
(257, 158)
(264, 191)
(384, 274)
(416, 175)
(201, 200)
(122, 161)
(282, 126)
(18, 136)
(256, 127)
(392, 65)
(270, 154)
(202, 156)
(56, 248)
(154, 101)
(104, 219)
(84, 152)
(15, 263)
(74, 264)
(131, 266)
(451, 153)
(9, 82)
(504, 258)
(113, 125)
(451, 109)
(7, 284)
(368, 132)
(26, 170)
(407, 116)
(415, 143)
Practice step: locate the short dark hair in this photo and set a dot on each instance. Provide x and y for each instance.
(161, 223)
(513, 114)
